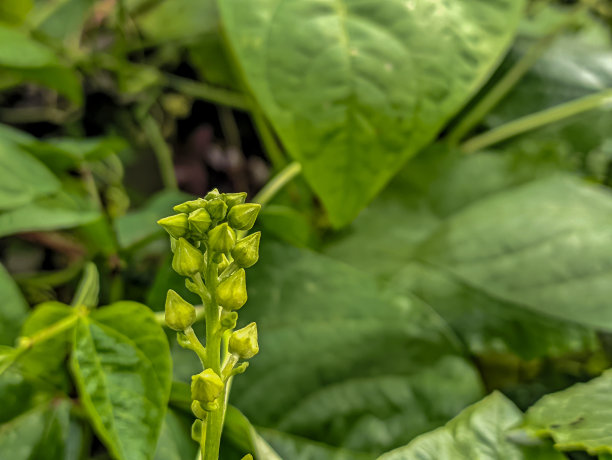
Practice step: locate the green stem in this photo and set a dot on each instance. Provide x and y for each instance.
(508, 81)
(208, 93)
(537, 120)
(277, 182)
(214, 420)
(266, 135)
(162, 152)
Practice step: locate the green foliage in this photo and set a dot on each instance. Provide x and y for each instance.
(368, 99)
(399, 281)
(480, 431)
(123, 371)
(575, 418)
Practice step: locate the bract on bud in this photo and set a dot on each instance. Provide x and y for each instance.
(228, 319)
(232, 199)
(187, 260)
(221, 238)
(180, 314)
(190, 206)
(223, 263)
(175, 225)
(199, 221)
(243, 342)
(216, 208)
(183, 340)
(242, 216)
(246, 251)
(232, 292)
(196, 430)
(198, 410)
(214, 193)
(206, 387)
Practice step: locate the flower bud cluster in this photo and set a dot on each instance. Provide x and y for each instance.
(211, 255)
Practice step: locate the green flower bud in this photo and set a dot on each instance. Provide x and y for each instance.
(228, 319)
(243, 342)
(221, 238)
(175, 225)
(180, 314)
(232, 199)
(199, 221)
(183, 340)
(246, 251)
(196, 430)
(187, 260)
(206, 387)
(242, 216)
(247, 457)
(190, 206)
(232, 292)
(217, 209)
(214, 193)
(198, 410)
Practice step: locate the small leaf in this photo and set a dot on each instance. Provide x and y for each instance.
(121, 363)
(577, 418)
(480, 431)
(13, 310)
(22, 177)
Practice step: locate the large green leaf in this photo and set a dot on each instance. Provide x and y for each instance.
(354, 88)
(13, 309)
(546, 245)
(578, 418)
(384, 241)
(175, 441)
(121, 363)
(24, 59)
(348, 365)
(22, 177)
(56, 212)
(45, 360)
(38, 434)
(479, 432)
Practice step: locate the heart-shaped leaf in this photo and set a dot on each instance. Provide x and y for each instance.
(354, 88)
(122, 367)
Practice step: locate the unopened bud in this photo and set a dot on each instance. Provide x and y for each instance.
(190, 206)
(187, 260)
(196, 431)
(175, 225)
(216, 208)
(214, 193)
(232, 292)
(206, 387)
(232, 199)
(247, 457)
(243, 342)
(199, 221)
(242, 216)
(228, 319)
(221, 238)
(180, 314)
(246, 251)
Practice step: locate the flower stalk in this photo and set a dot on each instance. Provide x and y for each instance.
(208, 252)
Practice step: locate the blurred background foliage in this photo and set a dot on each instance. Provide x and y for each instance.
(396, 316)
